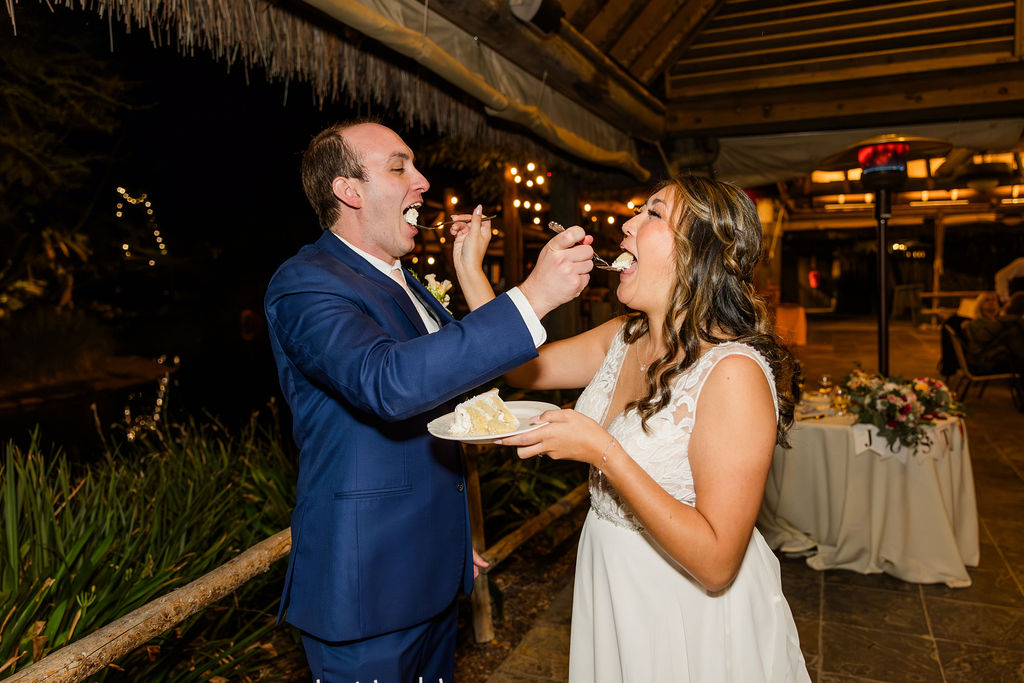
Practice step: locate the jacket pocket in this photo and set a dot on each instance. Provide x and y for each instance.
(373, 493)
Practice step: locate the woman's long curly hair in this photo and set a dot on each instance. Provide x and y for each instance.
(717, 248)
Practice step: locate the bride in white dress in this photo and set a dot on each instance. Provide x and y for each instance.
(685, 400)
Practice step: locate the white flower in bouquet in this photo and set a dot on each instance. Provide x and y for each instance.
(439, 290)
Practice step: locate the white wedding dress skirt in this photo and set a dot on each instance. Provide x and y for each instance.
(638, 617)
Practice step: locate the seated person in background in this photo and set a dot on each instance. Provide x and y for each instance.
(994, 340)
(1014, 308)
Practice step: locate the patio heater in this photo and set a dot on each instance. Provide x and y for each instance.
(883, 163)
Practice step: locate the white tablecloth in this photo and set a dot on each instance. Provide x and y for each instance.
(912, 515)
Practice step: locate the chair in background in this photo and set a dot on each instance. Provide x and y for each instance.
(906, 302)
(967, 377)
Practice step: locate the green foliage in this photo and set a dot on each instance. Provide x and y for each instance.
(82, 547)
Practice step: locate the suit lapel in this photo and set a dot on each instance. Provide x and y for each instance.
(330, 243)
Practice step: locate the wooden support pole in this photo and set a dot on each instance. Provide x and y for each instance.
(480, 599)
(76, 661)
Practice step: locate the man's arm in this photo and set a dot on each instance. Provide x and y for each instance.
(335, 343)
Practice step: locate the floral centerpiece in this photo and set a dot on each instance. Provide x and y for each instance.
(899, 409)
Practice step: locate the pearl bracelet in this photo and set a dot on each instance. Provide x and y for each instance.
(604, 455)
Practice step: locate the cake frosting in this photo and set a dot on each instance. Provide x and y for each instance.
(483, 415)
(623, 262)
(412, 216)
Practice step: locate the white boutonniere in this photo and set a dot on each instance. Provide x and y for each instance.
(439, 290)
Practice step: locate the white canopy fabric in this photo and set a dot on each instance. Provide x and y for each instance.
(765, 159)
(506, 90)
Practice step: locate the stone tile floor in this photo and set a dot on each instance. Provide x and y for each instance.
(867, 628)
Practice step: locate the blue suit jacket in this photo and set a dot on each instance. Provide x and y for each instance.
(380, 532)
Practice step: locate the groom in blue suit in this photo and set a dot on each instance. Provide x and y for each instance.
(366, 357)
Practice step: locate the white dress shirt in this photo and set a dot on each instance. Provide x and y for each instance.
(533, 323)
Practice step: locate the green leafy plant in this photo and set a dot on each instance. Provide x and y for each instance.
(85, 545)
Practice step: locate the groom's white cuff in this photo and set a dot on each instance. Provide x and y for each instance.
(537, 330)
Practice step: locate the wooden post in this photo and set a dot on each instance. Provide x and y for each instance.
(480, 600)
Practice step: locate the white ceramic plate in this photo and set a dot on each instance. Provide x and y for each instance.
(523, 410)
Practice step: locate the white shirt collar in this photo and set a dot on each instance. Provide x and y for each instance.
(380, 264)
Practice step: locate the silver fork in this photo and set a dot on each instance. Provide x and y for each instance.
(598, 261)
(444, 224)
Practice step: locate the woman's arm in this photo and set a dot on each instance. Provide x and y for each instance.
(730, 452)
(472, 235)
(568, 363)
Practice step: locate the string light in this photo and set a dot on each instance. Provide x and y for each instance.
(611, 220)
(518, 178)
(143, 201)
(530, 166)
(430, 260)
(540, 180)
(527, 205)
(586, 207)
(529, 183)
(536, 220)
(514, 171)
(516, 203)
(454, 200)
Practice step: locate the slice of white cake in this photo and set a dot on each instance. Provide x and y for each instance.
(411, 216)
(483, 415)
(623, 262)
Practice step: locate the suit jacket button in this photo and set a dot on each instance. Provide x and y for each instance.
(460, 486)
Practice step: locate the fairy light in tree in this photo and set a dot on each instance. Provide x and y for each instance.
(127, 202)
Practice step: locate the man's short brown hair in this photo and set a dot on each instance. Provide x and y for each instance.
(329, 156)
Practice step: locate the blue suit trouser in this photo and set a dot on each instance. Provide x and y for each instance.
(424, 653)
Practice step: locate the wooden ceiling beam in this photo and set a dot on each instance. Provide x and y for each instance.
(981, 92)
(584, 13)
(853, 45)
(843, 15)
(645, 27)
(820, 71)
(565, 61)
(846, 33)
(615, 20)
(675, 37)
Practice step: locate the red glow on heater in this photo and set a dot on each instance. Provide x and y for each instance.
(814, 279)
(889, 154)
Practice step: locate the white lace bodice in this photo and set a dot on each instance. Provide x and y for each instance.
(663, 450)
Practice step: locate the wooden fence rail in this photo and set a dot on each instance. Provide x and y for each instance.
(84, 657)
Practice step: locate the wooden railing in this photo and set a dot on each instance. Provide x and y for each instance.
(86, 656)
